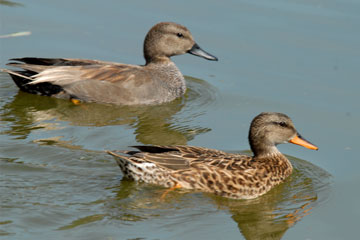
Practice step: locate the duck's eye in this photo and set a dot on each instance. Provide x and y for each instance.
(283, 124)
(180, 35)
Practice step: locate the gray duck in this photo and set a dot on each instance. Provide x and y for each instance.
(156, 82)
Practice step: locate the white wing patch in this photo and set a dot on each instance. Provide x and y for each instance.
(59, 76)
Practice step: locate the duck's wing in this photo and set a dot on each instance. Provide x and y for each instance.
(88, 80)
(183, 150)
(58, 61)
(65, 75)
(63, 72)
(181, 157)
(33, 66)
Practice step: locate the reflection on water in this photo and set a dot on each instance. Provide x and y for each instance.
(10, 3)
(152, 124)
(267, 217)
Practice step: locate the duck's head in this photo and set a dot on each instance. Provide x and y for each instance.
(167, 39)
(269, 129)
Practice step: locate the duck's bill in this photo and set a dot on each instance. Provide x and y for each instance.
(197, 51)
(299, 140)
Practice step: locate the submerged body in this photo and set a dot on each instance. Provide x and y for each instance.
(225, 174)
(158, 81)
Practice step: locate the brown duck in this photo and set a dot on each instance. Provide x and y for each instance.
(226, 174)
(158, 81)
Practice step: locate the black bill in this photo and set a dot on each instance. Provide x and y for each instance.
(197, 51)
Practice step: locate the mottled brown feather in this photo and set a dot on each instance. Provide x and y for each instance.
(225, 174)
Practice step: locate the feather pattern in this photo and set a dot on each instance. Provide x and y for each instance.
(226, 174)
(158, 81)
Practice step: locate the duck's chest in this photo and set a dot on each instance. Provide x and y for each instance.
(168, 79)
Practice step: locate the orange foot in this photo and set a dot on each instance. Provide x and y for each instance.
(75, 101)
(169, 190)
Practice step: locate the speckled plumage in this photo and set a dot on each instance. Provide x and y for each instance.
(158, 81)
(226, 174)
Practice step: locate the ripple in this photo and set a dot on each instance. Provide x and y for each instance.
(271, 215)
(170, 123)
(200, 93)
(266, 217)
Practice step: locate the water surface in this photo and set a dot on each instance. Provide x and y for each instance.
(296, 57)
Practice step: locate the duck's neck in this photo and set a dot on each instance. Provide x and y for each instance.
(265, 150)
(157, 59)
(272, 156)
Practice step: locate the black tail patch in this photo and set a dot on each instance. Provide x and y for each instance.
(41, 61)
(46, 89)
(51, 61)
(155, 149)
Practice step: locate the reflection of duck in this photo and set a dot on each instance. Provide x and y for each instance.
(158, 81)
(159, 124)
(266, 217)
(271, 215)
(225, 174)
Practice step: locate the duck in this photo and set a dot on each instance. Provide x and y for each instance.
(83, 80)
(230, 175)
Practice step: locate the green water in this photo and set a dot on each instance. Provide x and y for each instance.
(296, 57)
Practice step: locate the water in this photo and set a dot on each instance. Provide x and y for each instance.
(296, 57)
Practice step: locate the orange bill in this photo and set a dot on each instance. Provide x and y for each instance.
(303, 142)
